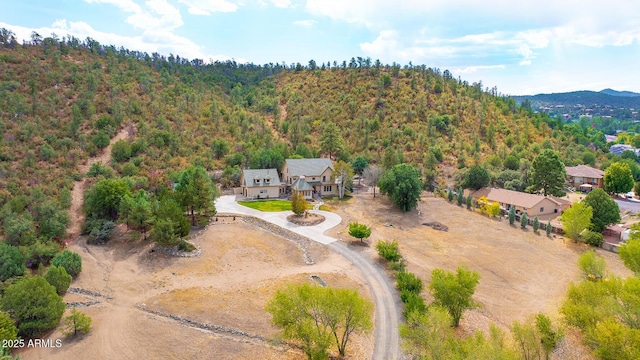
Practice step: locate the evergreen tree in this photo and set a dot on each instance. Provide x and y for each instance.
(524, 220)
(460, 196)
(512, 215)
(536, 224)
(549, 227)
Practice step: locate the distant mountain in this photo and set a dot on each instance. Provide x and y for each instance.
(573, 105)
(619, 93)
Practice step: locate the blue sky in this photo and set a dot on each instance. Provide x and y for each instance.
(521, 47)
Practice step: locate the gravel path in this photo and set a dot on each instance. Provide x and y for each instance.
(387, 315)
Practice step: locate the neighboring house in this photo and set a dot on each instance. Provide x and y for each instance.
(618, 149)
(260, 183)
(316, 173)
(584, 177)
(532, 204)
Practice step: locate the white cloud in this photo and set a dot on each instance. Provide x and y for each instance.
(525, 62)
(124, 5)
(473, 69)
(207, 7)
(281, 3)
(305, 23)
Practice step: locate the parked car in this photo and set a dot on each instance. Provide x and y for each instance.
(630, 195)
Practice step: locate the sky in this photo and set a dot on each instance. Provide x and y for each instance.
(521, 47)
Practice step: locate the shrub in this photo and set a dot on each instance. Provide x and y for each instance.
(70, 261)
(76, 323)
(409, 282)
(536, 224)
(524, 221)
(592, 265)
(469, 202)
(400, 265)
(412, 302)
(186, 246)
(388, 250)
(592, 238)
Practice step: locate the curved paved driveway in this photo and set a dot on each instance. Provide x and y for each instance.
(386, 333)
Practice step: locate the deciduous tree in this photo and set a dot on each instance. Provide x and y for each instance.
(372, 174)
(605, 209)
(453, 291)
(403, 185)
(618, 178)
(359, 231)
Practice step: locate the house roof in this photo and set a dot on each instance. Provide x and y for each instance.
(308, 167)
(301, 185)
(584, 171)
(250, 175)
(516, 198)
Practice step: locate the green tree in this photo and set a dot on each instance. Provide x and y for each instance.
(461, 199)
(220, 148)
(550, 335)
(536, 224)
(630, 254)
(512, 215)
(453, 291)
(70, 261)
(549, 228)
(266, 159)
(331, 140)
(388, 250)
(527, 340)
(359, 231)
(524, 220)
(618, 178)
(58, 277)
(359, 164)
(450, 195)
(137, 212)
(575, 219)
(592, 266)
(19, 229)
(11, 262)
(605, 209)
(403, 185)
(121, 151)
(315, 316)
(8, 330)
(547, 173)
(168, 211)
(298, 203)
(477, 177)
(101, 140)
(390, 158)
(76, 323)
(196, 192)
(103, 199)
(428, 335)
(34, 305)
(511, 162)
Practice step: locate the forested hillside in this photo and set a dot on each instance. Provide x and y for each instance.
(62, 99)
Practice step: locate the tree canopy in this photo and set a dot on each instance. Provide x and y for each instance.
(34, 305)
(403, 185)
(618, 178)
(196, 192)
(575, 219)
(547, 173)
(11, 262)
(331, 140)
(317, 316)
(359, 231)
(476, 177)
(453, 291)
(605, 209)
(69, 260)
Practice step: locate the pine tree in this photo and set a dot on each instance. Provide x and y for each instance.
(469, 202)
(536, 225)
(549, 228)
(461, 198)
(524, 220)
(512, 215)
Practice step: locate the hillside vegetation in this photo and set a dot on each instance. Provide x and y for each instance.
(61, 100)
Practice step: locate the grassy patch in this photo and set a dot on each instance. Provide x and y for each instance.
(267, 205)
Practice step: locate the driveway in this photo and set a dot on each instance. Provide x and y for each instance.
(387, 315)
(632, 205)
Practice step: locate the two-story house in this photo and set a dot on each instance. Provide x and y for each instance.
(317, 173)
(260, 183)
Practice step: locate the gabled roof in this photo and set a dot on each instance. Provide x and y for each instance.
(308, 167)
(516, 198)
(301, 185)
(584, 171)
(250, 175)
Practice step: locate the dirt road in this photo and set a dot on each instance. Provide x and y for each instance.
(76, 215)
(386, 335)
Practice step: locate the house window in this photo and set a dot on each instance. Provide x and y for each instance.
(324, 178)
(327, 188)
(263, 191)
(541, 209)
(267, 180)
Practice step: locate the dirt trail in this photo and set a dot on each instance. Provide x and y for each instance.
(75, 212)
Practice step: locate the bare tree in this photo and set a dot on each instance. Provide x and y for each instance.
(372, 174)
